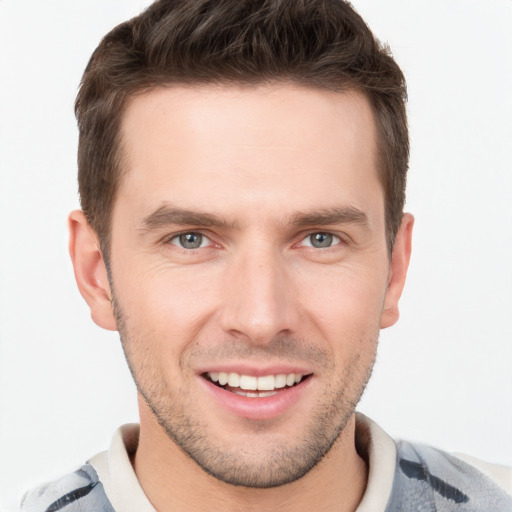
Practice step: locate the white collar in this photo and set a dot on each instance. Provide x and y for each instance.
(381, 453)
(124, 492)
(116, 472)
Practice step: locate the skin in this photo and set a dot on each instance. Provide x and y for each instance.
(274, 166)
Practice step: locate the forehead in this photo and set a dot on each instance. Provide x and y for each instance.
(216, 144)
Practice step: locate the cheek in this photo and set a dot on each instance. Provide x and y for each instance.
(347, 307)
(164, 305)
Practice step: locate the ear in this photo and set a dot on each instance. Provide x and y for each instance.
(90, 271)
(397, 271)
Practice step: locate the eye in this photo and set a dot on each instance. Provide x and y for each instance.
(190, 240)
(321, 240)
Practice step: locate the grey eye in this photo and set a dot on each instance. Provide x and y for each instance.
(321, 240)
(190, 240)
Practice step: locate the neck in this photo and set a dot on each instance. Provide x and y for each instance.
(173, 481)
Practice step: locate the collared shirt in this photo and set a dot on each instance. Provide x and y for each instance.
(402, 477)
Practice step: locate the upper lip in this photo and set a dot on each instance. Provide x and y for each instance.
(255, 371)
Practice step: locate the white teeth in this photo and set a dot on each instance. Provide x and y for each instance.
(234, 380)
(263, 394)
(251, 383)
(266, 383)
(252, 394)
(280, 381)
(248, 382)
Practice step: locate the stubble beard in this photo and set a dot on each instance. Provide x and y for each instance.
(261, 468)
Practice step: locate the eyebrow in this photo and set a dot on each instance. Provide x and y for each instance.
(167, 215)
(326, 216)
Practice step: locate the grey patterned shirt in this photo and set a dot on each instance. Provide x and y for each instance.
(425, 480)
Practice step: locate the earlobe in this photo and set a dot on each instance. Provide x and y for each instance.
(398, 271)
(90, 271)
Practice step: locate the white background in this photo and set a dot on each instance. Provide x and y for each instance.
(444, 372)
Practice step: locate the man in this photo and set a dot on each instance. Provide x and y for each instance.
(242, 176)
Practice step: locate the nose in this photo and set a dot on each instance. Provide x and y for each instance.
(259, 300)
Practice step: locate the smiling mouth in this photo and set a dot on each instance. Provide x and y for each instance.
(255, 387)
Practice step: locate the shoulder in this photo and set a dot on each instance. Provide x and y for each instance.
(78, 491)
(501, 475)
(428, 477)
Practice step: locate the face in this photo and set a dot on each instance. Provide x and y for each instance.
(250, 272)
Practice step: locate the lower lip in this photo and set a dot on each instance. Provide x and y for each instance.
(263, 408)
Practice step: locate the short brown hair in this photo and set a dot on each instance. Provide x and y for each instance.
(322, 44)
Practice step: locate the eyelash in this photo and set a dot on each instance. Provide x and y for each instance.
(177, 237)
(336, 240)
